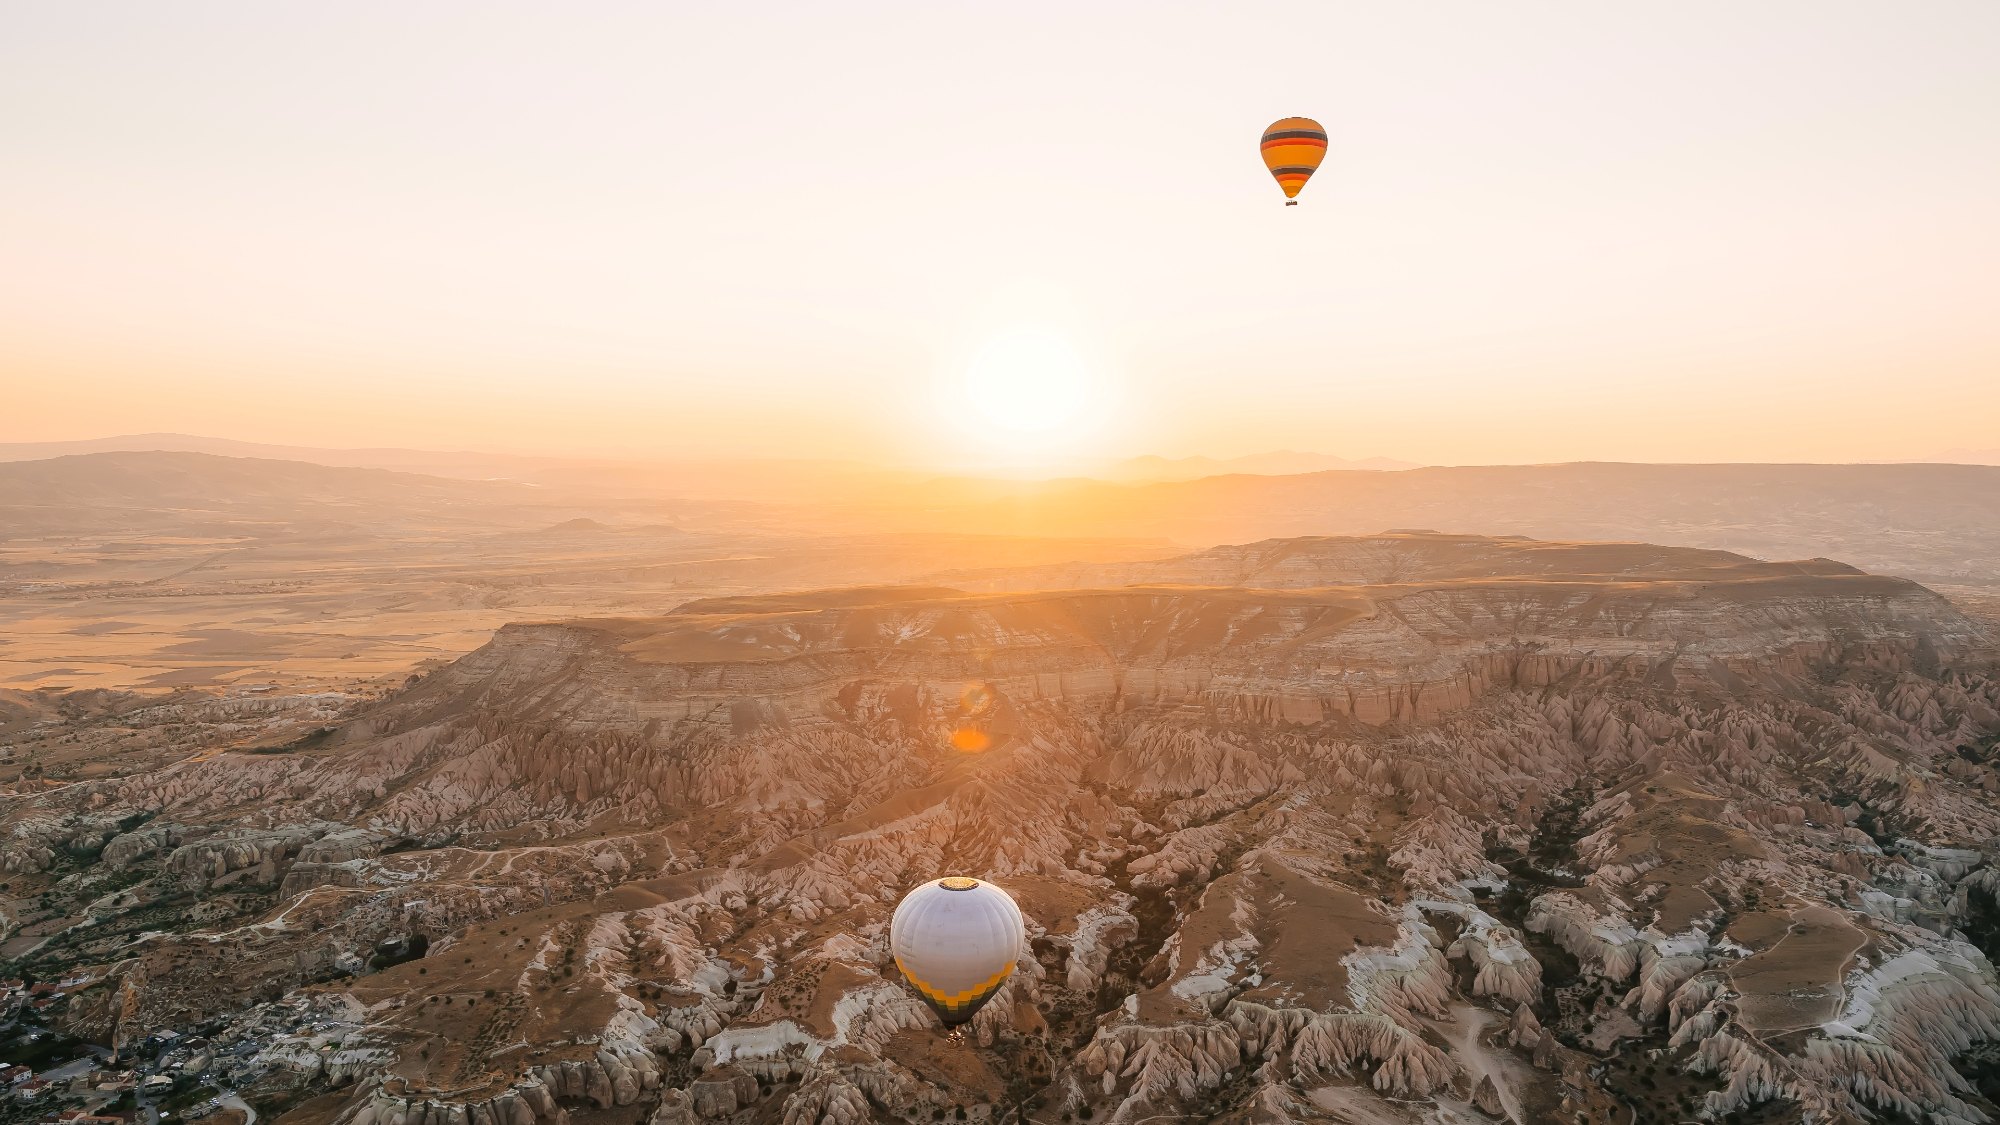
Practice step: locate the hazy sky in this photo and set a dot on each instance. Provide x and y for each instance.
(1644, 231)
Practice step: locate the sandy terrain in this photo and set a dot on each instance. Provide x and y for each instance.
(1796, 982)
(139, 612)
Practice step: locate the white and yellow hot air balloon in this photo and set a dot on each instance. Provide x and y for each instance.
(956, 941)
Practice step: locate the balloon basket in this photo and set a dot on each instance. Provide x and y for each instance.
(1291, 203)
(955, 1037)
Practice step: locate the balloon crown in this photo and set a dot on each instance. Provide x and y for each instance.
(958, 883)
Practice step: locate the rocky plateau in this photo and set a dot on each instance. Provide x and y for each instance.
(1395, 828)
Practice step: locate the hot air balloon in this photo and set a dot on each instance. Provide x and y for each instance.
(955, 941)
(1293, 148)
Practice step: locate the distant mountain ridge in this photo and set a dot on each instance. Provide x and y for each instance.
(1933, 523)
(757, 479)
(473, 464)
(438, 462)
(1283, 462)
(183, 493)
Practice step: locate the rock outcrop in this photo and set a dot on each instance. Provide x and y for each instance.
(1277, 847)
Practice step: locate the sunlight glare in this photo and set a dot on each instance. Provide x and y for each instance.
(1029, 382)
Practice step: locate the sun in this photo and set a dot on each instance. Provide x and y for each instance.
(1029, 383)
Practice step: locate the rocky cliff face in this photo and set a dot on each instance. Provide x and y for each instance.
(1492, 824)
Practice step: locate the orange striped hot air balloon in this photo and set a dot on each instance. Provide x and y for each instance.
(1293, 147)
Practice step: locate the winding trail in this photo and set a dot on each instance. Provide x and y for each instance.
(1465, 1032)
(235, 1101)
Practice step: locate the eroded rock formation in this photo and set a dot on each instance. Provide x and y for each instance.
(1401, 824)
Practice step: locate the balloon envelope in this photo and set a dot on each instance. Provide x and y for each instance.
(956, 941)
(1292, 149)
